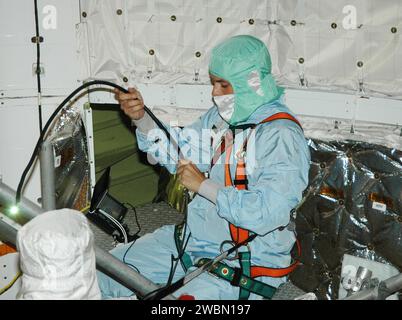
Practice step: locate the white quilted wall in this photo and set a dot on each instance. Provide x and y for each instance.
(342, 46)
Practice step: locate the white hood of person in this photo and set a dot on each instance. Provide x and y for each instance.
(57, 257)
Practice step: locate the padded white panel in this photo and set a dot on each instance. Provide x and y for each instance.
(119, 44)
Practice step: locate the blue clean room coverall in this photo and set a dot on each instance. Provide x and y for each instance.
(275, 186)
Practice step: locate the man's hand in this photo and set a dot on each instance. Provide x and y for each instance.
(189, 175)
(131, 103)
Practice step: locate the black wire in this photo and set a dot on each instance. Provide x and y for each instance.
(136, 217)
(149, 294)
(53, 116)
(38, 71)
(180, 252)
(135, 238)
(163, 292)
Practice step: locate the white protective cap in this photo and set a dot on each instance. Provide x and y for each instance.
(57, 257)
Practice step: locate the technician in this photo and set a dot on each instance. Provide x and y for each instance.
(255, 175)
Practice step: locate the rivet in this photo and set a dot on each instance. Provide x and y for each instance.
(225, 271)
(151, 52)
(394, 30)
(219, 19)
(322, 165)
(334, 25)
(119, 12)
(35, 39)
(400, 219)
(293, 22)
(360, 64)
(376, 176)
(173, 18)
(301, 60)
(243, 281)
(316, 231)
(198, 54)
(125, 79)
(330, 275)
(349, 154)
(370, 247)
(251, 21)
(84, 14)
(341, 202)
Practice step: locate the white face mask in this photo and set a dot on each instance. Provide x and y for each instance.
(225, 105)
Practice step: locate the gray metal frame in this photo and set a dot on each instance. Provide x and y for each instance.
(47, 178)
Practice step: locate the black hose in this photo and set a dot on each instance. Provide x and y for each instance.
(58, 109)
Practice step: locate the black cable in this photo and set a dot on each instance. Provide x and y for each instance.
(166, 290)
(38, 71)
(174, 261)
(149, 294)
(135, 236)
(53, 116)
(180, 251)
(169, 283)
(60, 107)
(135, 216)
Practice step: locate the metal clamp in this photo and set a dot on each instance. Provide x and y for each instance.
(236, 256)
(232, 244)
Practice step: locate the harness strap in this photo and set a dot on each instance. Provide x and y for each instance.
(245, 270)
(237, 278)
(239, 234)
(260, 271)
(242, 277)
(241, 182)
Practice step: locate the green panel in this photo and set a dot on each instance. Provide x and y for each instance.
(133, 180)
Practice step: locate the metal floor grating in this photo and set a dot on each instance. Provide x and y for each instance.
(150, 217)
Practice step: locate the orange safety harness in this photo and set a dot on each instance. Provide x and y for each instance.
(240, 182)
(245, 276)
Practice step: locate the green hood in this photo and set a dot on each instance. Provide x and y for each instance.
(244, 62)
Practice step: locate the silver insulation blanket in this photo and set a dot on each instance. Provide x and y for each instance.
(71, 161)
(353, 205)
